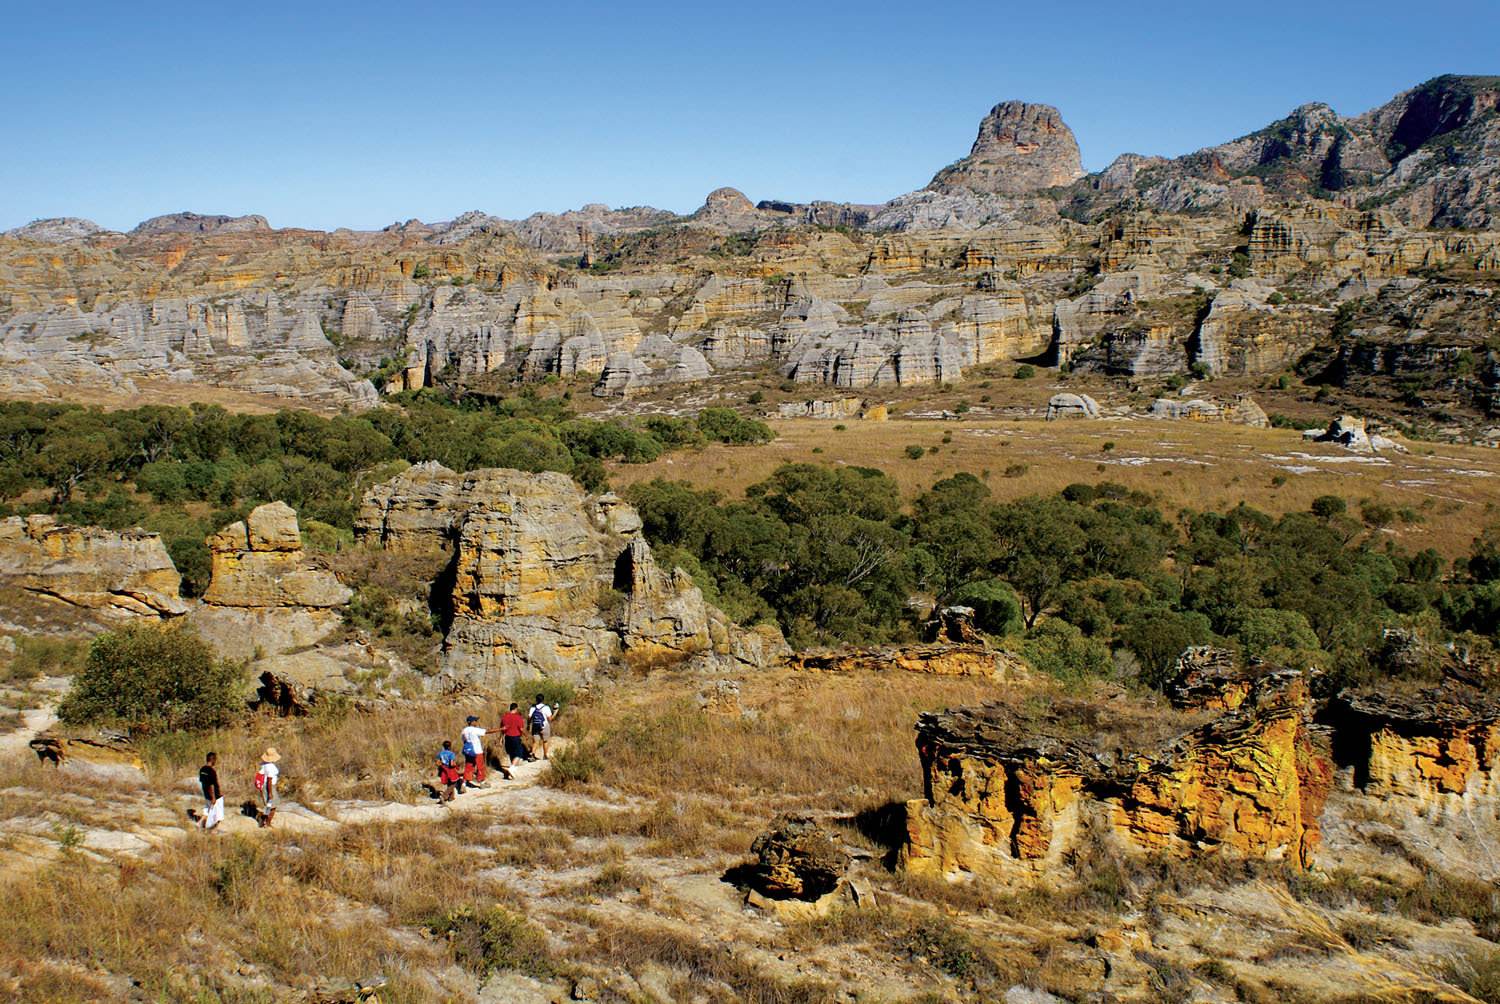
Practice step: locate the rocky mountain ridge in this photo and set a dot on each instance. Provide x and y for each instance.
(1240, 260)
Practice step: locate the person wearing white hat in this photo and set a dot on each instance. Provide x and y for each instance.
(266, 779)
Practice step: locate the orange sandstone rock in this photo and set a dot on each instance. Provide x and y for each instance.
(1006, 793)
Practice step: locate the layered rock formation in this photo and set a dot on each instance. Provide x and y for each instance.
(951, 647)
(1245, 765)
(1241, 411)
(548, 581)
(60, 576)
(1304, 245)
(1020, 148)
(1441, 741)
(1009, 794)
(266, 596)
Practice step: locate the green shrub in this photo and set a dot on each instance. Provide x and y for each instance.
(915, 452)
(1025, 371)
(151, 678)
(725, 425)
(1377, 514)
(1328, 506)
(488, 940)
(997, 608)
(1059, 649)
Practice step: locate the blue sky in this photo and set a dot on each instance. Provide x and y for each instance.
(362, 114)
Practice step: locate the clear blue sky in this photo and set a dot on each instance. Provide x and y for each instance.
(334, 114)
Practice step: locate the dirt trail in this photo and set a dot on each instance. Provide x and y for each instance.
(130, 818)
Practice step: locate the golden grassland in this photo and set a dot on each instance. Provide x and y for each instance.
(612, 874)
(1449, 491)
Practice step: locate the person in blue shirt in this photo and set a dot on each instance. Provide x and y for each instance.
(448, 772)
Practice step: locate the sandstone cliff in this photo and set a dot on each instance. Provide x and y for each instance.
(548, 581)
(60, 576)
(1008, 794)
(1308, 244)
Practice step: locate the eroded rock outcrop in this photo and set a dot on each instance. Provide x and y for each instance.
(1071, 406)
(797, 859)
(85, 575)
(266, 596)
(1441, 741)
(547, 580)
(951, 647)
(1020, 148)
(1241, 411)
(1354, 435)
(1009, 792)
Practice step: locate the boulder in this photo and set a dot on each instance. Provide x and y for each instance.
(798, 859)
(1354, 435)
(1071, 406)
(90, 576)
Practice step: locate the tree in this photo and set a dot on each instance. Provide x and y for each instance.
(1059, 649)
(997, 608)
(1328, 506)
(1157, 635)
(1041, 547)
(154, 678)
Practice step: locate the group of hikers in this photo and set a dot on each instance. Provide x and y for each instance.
(267, 777)
(513, 726)
(454, 778)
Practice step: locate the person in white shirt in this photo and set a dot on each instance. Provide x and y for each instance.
(473, 750)
(267, 777)
(540, 717)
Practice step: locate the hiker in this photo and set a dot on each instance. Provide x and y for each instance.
(473, 736)
(541, 726)
(267, 777)
(514, 727)
(213, 797)
(448, 772)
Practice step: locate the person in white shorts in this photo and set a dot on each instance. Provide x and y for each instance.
(213, 795)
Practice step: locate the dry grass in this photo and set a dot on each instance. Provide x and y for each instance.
(839, 744)
(1181, 464)
(337, 753)
(232, 919)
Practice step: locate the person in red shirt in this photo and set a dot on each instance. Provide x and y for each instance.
(514, 726)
